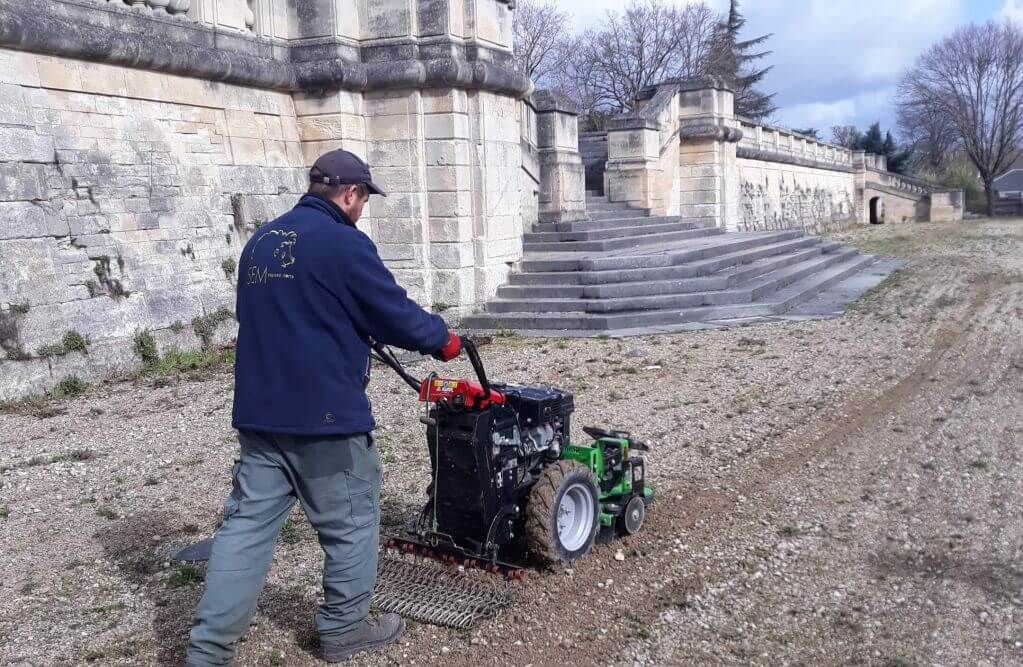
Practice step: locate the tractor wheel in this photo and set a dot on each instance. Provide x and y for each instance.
(631, 519)
(563, 513)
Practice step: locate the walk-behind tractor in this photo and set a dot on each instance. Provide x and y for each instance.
(504, 475)
(506, 484)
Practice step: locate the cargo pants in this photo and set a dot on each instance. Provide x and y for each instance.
(337, 481)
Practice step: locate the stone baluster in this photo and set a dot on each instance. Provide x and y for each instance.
(250, 14)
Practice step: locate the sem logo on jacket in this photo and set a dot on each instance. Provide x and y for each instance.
(272, 256)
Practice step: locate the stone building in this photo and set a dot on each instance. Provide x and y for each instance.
(141, 142)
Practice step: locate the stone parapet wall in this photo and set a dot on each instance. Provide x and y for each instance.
(779, 195)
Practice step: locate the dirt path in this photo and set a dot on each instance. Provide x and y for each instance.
(829, 492)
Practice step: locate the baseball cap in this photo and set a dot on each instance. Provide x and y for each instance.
(341, 167)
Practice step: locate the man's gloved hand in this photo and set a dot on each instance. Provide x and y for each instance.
(451, 349)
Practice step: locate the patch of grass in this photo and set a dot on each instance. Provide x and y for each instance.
(51, 350)
(276, 658)
(440, 307)
(144, 345)
(602, 337)
(229, 265)
(5, 512)
(980, 464)
(75, 342)
(177, 327)
(72, 385)
(205, 326)
(789, 531)
(177, 361)
(186, 575)
(74, 455)
(107, 513)
(15, 352)
(20, 308)
(290, 534)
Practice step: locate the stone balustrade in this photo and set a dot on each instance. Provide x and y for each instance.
(767, 141)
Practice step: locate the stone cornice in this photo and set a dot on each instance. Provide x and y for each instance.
(189, 49)
(783, 158)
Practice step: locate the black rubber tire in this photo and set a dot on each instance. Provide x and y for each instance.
(541, 511)
(631, 520)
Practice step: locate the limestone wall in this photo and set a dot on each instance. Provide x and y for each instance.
(775, 195)
(125, 197)
(126, 193)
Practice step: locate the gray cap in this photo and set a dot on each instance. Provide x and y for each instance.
(341, 167)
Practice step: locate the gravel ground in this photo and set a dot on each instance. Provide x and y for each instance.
(839, 491)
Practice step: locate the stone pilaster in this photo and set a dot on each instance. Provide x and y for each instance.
(708, 184)
(562, 176)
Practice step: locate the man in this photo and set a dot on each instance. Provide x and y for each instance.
(312, 291)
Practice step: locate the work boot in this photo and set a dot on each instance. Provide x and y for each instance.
(370, 633)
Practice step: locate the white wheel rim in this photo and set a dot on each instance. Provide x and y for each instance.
(575, 517)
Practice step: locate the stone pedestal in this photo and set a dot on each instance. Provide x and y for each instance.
(562, 194)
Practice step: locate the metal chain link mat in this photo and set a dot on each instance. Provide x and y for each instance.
(430, 592)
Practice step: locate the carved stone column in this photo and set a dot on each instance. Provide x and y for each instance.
(562, 176)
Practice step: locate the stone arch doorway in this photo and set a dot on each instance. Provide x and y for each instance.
(876, 211)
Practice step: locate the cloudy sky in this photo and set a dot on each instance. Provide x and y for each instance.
(837, 61)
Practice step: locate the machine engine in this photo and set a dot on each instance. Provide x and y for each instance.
(487, 460)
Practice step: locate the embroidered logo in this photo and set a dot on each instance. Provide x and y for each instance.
(261, 269)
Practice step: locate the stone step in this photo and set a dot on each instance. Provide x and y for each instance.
(747, 292)
(610, 233)
(555, 324)
(718, 281)
(618, 213)
(594, 206)
(670, 254)
(690, 269)
(620, 243)
(610, 223)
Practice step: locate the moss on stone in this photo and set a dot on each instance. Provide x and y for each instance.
(206, 325)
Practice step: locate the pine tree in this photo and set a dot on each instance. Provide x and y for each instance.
(883, 143)
(731, 58)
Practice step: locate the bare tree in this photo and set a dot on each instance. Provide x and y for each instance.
(540, 32)
(930, 135)
(974, 80)
(845, 135)
(649, 42)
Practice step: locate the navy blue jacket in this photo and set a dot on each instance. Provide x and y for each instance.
(311, 291)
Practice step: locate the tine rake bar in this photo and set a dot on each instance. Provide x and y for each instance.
(431, 593)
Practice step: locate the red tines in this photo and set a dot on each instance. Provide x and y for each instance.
(461, 393)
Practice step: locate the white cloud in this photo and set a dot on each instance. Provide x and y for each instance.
(1012, 9)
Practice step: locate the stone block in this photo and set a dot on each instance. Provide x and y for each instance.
(390, 128)
(453, 286)
(389, 103)
(102, 79)
(451, 255)
(446, 126)
(451, 229)
(452, 100)
(442, 153)
(448, 179)
(397, 230)
(313, 104)
(30, 220)
(13, 108)
(449, 204)
(331, 127)
(390, 153)
(18, 68)
(381, 19)
(247, 151)
(243, 124)
(22, 182)
(398, 179)
(311, 150)
(58, 73)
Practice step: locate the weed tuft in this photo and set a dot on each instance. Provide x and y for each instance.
(144, 345)
(186, 575)
(72, 385)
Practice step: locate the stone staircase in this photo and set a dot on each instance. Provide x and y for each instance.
(623, 271)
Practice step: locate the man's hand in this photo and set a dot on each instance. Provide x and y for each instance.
(451, 349)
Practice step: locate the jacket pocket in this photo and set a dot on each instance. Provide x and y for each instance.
(362, 499)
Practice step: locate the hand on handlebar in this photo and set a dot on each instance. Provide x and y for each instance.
(451, 349)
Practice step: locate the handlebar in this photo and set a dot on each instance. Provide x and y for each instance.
(384, 354)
